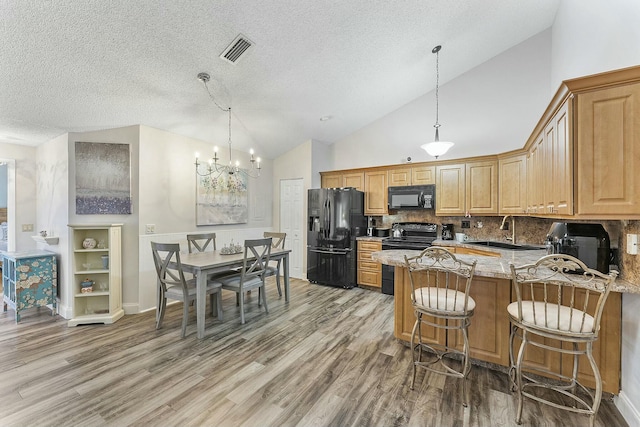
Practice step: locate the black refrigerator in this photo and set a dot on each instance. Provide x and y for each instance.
(336, 218)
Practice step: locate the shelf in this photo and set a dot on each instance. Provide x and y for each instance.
(46, 240)
(92, 294)
(100, 271)
(90, 250)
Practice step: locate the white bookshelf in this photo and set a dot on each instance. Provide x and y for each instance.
(104, 303)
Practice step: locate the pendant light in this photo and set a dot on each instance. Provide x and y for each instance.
(437, 148)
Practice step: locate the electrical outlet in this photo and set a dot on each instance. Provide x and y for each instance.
(150, 228)
(632, 244)
(466, 224)
(27, 227)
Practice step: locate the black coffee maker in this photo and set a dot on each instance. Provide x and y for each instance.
(587, 242)
(447, 232)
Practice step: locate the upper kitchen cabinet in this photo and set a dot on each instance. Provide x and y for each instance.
(415, 175)
(423, 175)
(481, 187)
(399, 177)
(470, 187)
(450, 190)
(375, 197)
(342, 179)
(608, 152)
(512, 184)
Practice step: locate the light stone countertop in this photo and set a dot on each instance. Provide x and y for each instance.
(489, 266)
(370, 238)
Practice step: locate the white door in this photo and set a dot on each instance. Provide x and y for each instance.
(291, 222)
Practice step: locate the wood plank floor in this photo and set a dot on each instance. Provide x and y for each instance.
(328, 358)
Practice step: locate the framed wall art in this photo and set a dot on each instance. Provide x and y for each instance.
(103, 178)
(221, 199)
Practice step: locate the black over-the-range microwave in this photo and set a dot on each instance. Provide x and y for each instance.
(412, 197)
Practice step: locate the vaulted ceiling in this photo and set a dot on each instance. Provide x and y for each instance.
(74, 66)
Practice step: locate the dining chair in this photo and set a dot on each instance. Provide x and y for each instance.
(200, 242)
(558, 306)
(440, 285)
(252, 273)
(173, 285)
(277, 242)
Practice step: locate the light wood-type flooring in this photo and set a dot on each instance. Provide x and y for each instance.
(328, 358)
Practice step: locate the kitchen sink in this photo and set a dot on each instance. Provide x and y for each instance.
(504, 245)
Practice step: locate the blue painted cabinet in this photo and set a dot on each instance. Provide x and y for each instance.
(29, 279)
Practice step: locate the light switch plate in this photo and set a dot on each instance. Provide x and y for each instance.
(632, 244)
(150, 228)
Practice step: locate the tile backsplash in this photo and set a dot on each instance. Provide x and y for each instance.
(529, 230)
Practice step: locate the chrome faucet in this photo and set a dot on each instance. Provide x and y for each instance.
(513, 227)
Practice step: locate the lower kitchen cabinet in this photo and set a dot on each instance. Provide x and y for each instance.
(369, 271)
(490, 328)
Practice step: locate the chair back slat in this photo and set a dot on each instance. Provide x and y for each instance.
(277, 239)
(200, 242)
(563, 294)
(437, 277)
(261, 250)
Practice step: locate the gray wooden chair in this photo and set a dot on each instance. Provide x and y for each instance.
(440, 285)
(252, 273)
(173, 285)
(273, 269)
(200, 242)
(558, 307)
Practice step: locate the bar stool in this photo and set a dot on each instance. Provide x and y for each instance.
(559, 300)
(440, 286)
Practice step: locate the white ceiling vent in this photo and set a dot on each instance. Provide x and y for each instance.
(236, 49)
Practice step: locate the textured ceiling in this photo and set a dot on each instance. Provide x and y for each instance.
(73, 66)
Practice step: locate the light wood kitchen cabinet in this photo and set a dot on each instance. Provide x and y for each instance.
(535, 176)
(481, 188)
(399, 177)
(450, 190)
(369, 271)
(489, 329)
(331, 180)
(375, 197)
(338, 180)
(559, 166)
(608, 151)
(512, 184)
(423, 175)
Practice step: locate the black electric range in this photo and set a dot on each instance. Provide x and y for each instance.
(416, 236)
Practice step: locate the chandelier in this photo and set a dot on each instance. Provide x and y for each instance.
(213, 167)
(437, 148)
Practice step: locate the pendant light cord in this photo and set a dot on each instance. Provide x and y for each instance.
(437, 85)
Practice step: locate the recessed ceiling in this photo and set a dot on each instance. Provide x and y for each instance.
(69, 66)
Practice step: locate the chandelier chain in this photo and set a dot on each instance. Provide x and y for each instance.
(437, 86)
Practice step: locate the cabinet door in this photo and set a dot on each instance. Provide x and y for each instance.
(375, 197)
(512, 185)
(450, 190)
(489, 329)
(608, 151)
(482, 187)
(399, 177)
(332, 180)
(535, 176)
(423, 175)
(355, 180)
(558, 167)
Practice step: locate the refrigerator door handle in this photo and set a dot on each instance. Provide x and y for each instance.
(336, 252)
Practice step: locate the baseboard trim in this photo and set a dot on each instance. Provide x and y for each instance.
(630, 413)
(131, 308)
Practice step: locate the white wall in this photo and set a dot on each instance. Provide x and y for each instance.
(502, 98)
(3, 185)
(52, 165)
(593, 36)
(25, 192)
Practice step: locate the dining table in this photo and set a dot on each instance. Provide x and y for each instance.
(202, 264)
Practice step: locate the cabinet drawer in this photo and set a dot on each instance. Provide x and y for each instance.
(369, 278)
(370, 246)
(370, 266)
(364, 255)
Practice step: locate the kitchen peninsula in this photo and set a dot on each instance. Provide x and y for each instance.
(489, 330)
